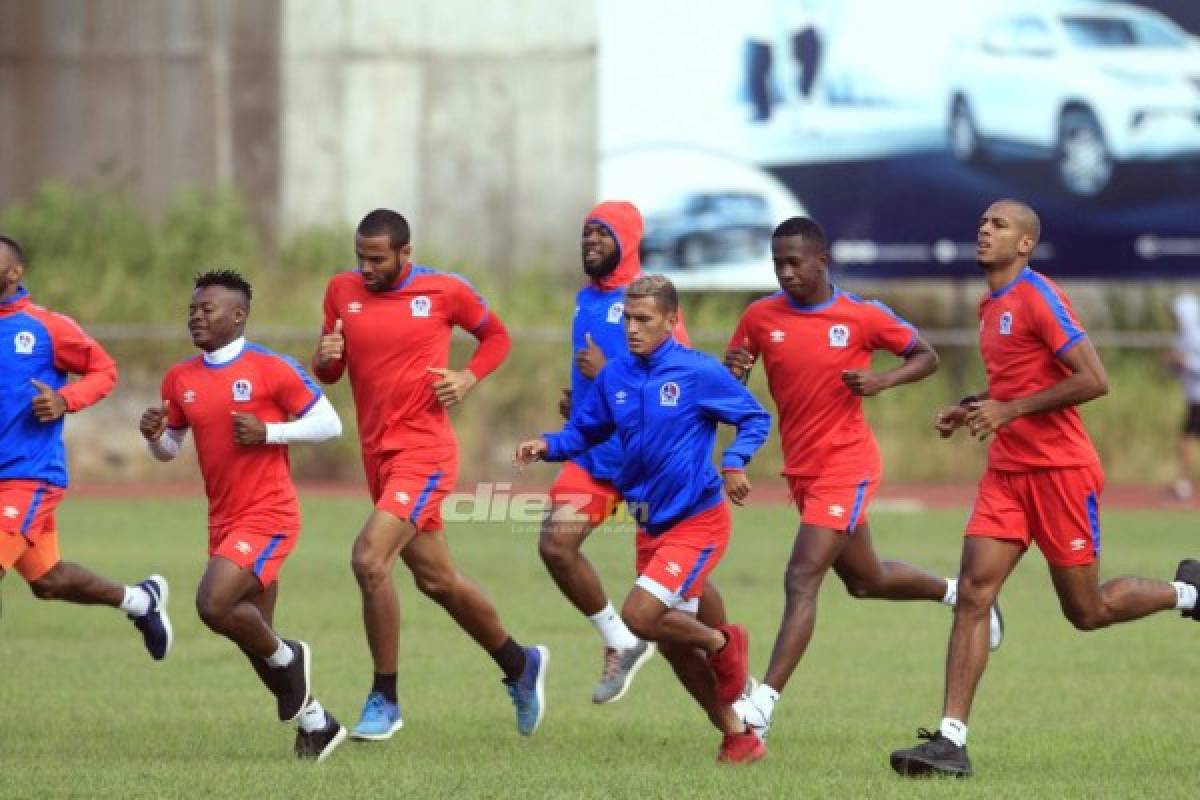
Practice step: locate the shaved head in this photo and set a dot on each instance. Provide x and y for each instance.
(1022, 216)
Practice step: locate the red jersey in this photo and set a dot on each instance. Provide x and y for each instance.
(392, 338)
(804, 350)
(1024, 329)
(247, 487)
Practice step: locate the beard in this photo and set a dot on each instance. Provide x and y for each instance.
(605, 267)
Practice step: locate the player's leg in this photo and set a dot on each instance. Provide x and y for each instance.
(1089, 605)
(712, 606)
(428, 557)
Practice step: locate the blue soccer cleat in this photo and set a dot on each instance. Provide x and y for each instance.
(155, 625)
(528, 692)
(379, 720)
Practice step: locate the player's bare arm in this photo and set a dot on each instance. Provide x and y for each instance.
(530, 451)
(737, 485)
(1087, 381)
(48, 405)
(153, 422)
(452, 385)
(921, 362)
(332, 346)
(564, 404)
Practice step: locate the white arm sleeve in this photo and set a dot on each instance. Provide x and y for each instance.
(166, 447)
(320, 423)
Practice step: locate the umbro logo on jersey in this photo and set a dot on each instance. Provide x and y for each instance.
(242, 389)
(674, 568)
(777, 336)
(353, 307)
(668, 395)
(839, 336)
(1078, 544)
(420, 306)
(620, 396)
(11, 512)
(836, 510)
(243, 547)
(615, 312)
(189, 396)
(402, 498)
(1006, 323)
(23, 343)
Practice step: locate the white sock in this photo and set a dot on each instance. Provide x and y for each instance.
(282, 656)
(955, 730)
(137, 601)
(312, 718)
(951, 597)
(1187, 595)
(612, 628)
(764, 698)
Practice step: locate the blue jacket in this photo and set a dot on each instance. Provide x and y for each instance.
(600, 313)
(664, 409)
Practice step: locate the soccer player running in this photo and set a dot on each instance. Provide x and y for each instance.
(238, 398)
(38, 350)
(816, 343)
(663, 401)
(388, 324)
(1043, 479)
(583, 495)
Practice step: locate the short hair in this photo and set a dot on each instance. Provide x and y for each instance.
(801, 226)
(1027, 218)
(14, 247)
(382, 222)
(657, 286)
(228, 278)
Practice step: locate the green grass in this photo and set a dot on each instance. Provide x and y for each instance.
(86, 714)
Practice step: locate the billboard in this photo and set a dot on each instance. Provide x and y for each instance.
(896, 124)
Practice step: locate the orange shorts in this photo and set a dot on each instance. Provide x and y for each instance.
(674, 565)
(1057, 508)
(587, 497)
(837, 502)
(411, 488)
(261, 553)
(28, 532)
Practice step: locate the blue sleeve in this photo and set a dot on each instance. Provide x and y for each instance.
(590, 425)
(726, 400)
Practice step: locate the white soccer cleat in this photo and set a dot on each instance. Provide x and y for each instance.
(752, 716)
(995, 626)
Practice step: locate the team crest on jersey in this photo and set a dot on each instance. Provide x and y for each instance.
(620, 396)
(353, 307)
(668, 395)
(420, 306)
(242, 389)
(777, 336)
(839, 336)
(189, 396)
(1006, 323)
(23, 343)
(615, 312)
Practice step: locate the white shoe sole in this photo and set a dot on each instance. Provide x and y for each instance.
(540, 687)
(651, 649)
(306, 654)
(333, 744)
(162, 611)
(377, 737)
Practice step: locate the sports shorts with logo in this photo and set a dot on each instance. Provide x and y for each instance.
(838, 497)
(262, 553)
(588, 498)
(673, 565)
(28, 532)
(1059, 509)
(411, 485)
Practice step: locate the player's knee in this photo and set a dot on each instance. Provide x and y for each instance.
(860, 589)
(800, 581)
(49, 586)
(973, 598)
(212, 611)
(1086, 619)
(640, 624)
(556, 551)
(437, 586)
(370, 572)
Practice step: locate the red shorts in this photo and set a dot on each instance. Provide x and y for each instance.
(588, 498)
(835, 501)
(28, 533)
(411, 488)
(674, 565)
(1057, 508)
(261, 553)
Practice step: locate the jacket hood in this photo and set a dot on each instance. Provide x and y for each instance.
(625, 222)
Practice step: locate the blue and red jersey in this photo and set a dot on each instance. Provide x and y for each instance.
(664, 409)
(38, 344)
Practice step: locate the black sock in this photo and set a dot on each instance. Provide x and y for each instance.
(510, 657)
(385, 684)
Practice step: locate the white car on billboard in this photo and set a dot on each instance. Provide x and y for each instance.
(1089, 85)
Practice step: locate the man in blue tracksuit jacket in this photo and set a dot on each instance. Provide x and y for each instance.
(663, 402)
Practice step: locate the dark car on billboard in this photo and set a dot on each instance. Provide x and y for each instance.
(706, 228)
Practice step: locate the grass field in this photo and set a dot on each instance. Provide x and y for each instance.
(85, 713)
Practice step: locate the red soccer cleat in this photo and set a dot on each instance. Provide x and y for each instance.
(731, 663)
(741, 748)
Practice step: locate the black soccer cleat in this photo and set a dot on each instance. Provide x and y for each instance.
(1188, 571)
(937, 756)
(155, 625)
(318, 745)
(293, 683)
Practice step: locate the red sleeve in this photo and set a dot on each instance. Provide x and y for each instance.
(79, 354)
(494, 346)
(743, 335)
(175, 415)
(888, 331)
(331, 372)
(292, 388)
(468, 310)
